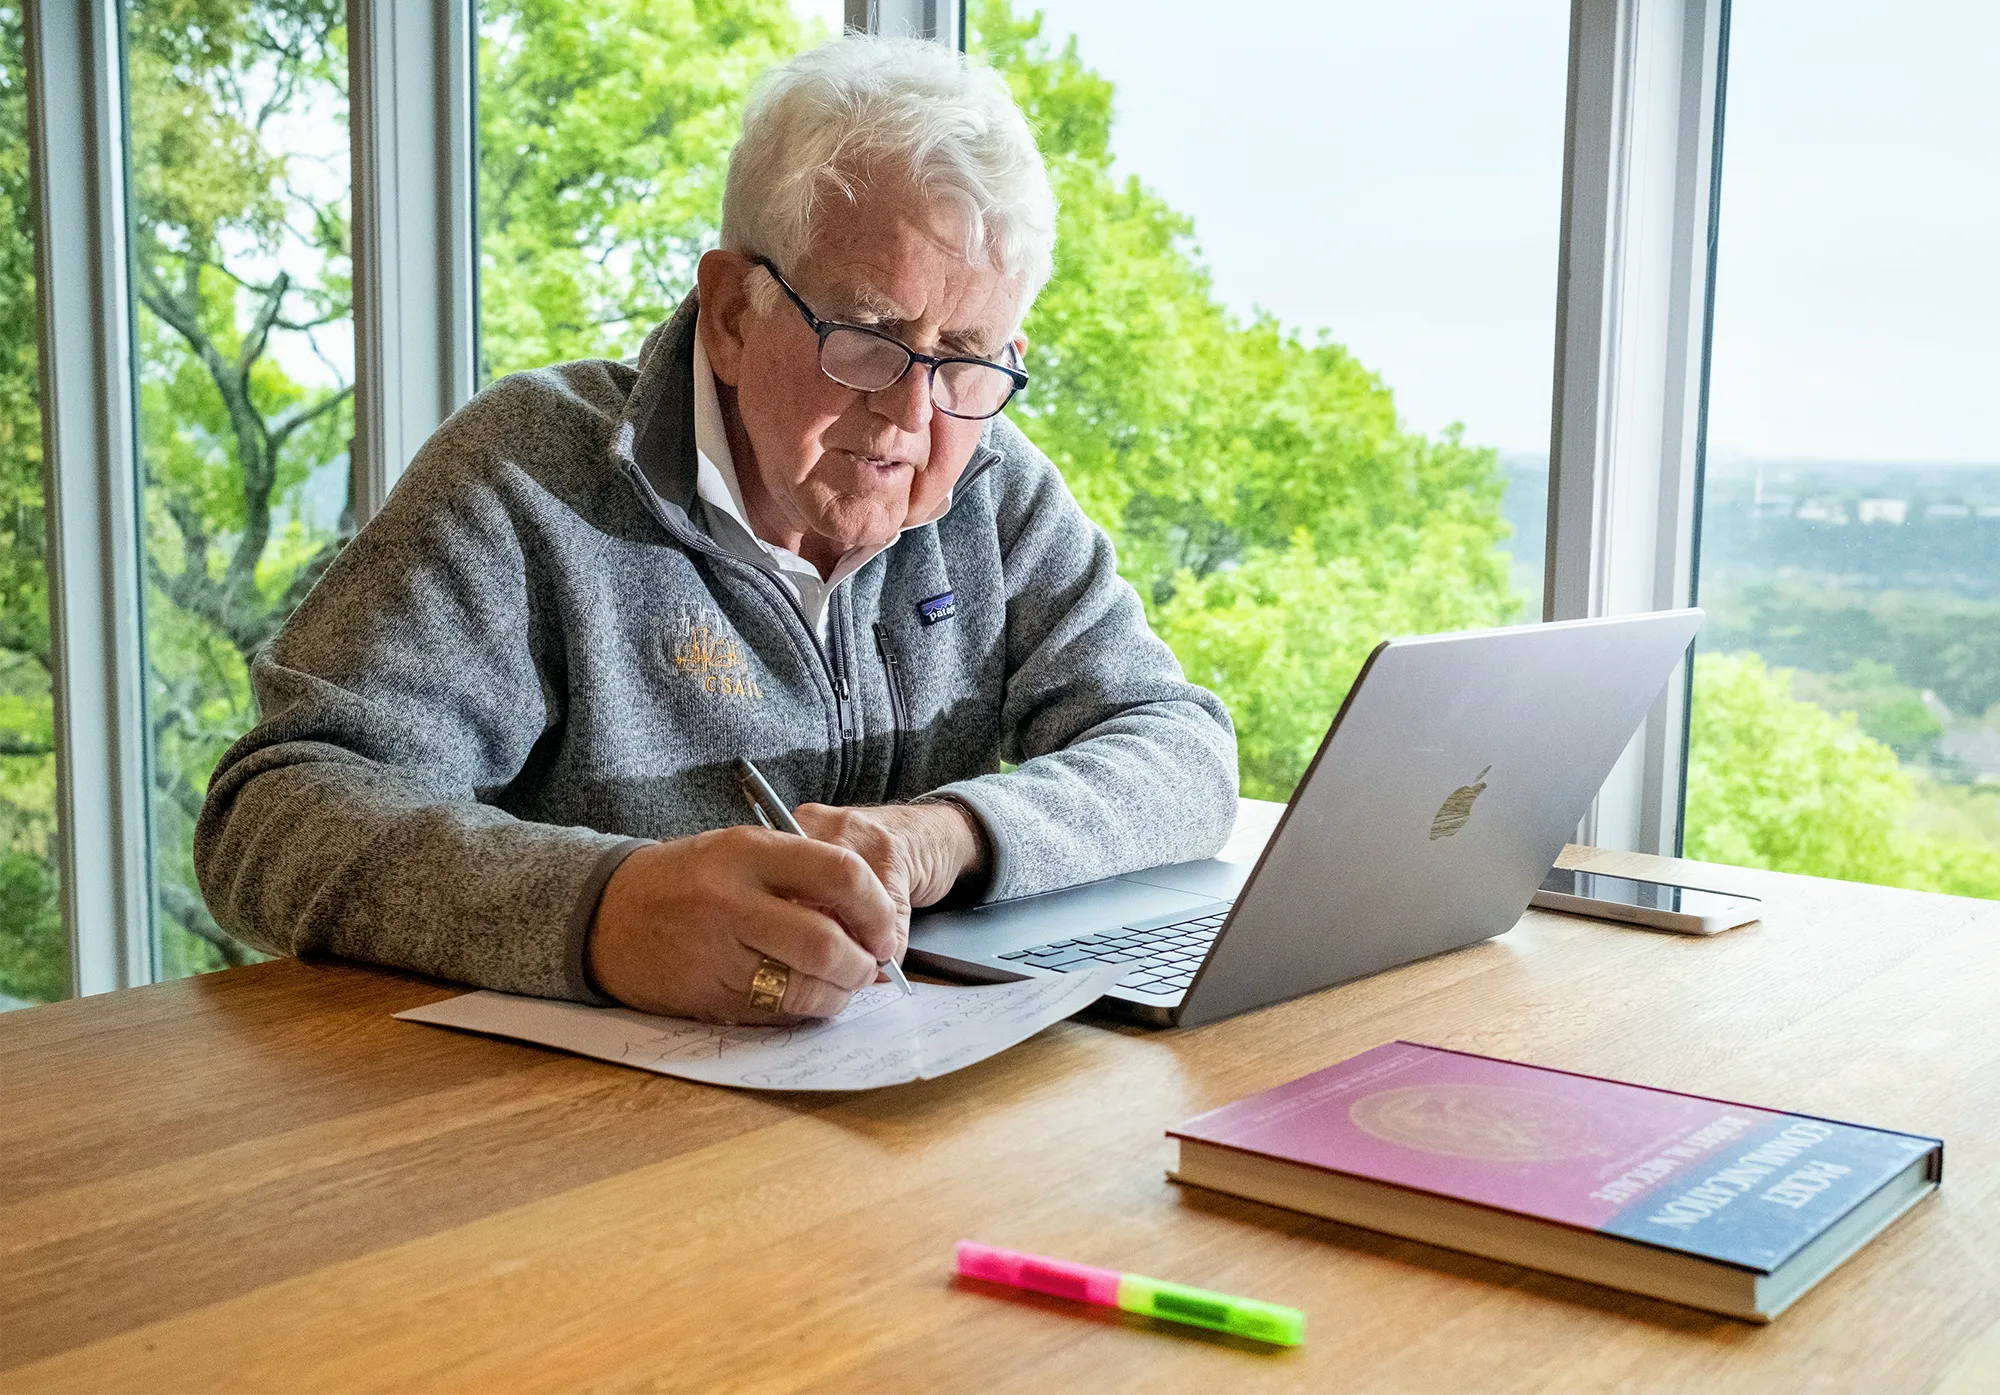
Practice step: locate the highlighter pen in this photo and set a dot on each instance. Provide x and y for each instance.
(1107, 1288)
(772, 813)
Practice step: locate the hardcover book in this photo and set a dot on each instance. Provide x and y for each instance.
(1728, 1207)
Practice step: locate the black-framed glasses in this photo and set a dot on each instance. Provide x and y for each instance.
(868, 360)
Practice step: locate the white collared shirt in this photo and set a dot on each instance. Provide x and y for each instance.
(717, 486)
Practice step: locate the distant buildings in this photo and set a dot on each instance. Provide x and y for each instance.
(1837, 510)
(1834, 495)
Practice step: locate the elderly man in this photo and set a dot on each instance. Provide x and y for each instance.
(498, 738)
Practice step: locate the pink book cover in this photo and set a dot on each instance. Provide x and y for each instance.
(1731, 1182)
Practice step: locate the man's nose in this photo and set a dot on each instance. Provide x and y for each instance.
(907, 401)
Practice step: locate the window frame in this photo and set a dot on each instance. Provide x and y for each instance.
(89, 401)
(416, 244)
(943, 20)
(1641, 151)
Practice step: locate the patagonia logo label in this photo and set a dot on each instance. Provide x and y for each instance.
(938, 608)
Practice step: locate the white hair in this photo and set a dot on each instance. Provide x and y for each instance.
(862, 108)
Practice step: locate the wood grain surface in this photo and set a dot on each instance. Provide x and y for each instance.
(255, 1180)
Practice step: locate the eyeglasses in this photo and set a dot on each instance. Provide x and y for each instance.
(868, 360)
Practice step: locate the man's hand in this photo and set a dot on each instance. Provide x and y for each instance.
(919, 851)
(682, 925)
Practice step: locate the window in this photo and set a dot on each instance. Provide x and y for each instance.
(239, 217)
(604, 135)
(1846, 710)
(1297, 357)
(34, 952)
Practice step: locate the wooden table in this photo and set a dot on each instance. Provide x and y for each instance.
(255, 1180)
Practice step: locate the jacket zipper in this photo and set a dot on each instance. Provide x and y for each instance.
(843, 697)
(829, 653)
(899, 715)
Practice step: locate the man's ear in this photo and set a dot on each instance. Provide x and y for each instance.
(1020, 347)
(723, 279)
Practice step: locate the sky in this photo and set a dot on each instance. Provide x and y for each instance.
(1393, 173)
(1858, 276)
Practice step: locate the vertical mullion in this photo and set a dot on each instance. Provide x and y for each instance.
(89, 416)
(1636, 190)
(461, 252)
(943, 20)
(410, 80)
(1585, 272)
(1699, 485)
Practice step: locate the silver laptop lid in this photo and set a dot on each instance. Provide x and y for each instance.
(1453, 775)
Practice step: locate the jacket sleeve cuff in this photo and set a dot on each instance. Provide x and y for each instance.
(999, 856)
(583, 913)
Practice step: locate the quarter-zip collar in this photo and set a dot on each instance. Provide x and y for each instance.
(656, 433)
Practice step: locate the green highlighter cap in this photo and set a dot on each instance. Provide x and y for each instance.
(1086, 1283)
(1246, 1317)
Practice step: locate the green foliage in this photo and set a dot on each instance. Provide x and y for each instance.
(1779, 783)
(1775, 782)
(1932, 640)
(1266, 502)
(1280, 638)
(1891, 712)
(34, 958)
(241, 268)
(605, 128)
(33, 954)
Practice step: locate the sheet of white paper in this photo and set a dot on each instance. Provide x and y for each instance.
(883, 1038)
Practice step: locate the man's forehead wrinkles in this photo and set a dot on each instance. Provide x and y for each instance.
(901, 279)
(859, 300)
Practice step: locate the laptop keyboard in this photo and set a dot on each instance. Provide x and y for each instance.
(1163, 959)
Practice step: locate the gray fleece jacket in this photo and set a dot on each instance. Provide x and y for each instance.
(536, 657)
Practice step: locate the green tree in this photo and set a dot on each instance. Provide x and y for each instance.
(1775, 782)
(33, 960)
(241, 269)
(1271, 510)
(1779, 783)
(1932, 640)
(1890, 711)
(604, 132)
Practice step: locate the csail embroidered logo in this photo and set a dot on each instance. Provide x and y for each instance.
(938, 608)
(705, 653)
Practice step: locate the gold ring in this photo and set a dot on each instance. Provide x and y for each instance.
(767, 985)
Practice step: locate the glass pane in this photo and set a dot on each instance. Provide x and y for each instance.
(1298, 354)
(240, 216)
(604, 135)
(34, 951)
(1846, 715)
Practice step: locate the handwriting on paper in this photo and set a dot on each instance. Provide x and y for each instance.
(882, 1038)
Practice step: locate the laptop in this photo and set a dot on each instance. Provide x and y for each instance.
(1452, 776)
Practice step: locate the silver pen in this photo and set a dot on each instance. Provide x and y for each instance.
(772, 813)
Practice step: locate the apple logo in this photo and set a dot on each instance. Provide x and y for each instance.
(1457, 807)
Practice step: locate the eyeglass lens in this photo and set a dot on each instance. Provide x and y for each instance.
(869, 363)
